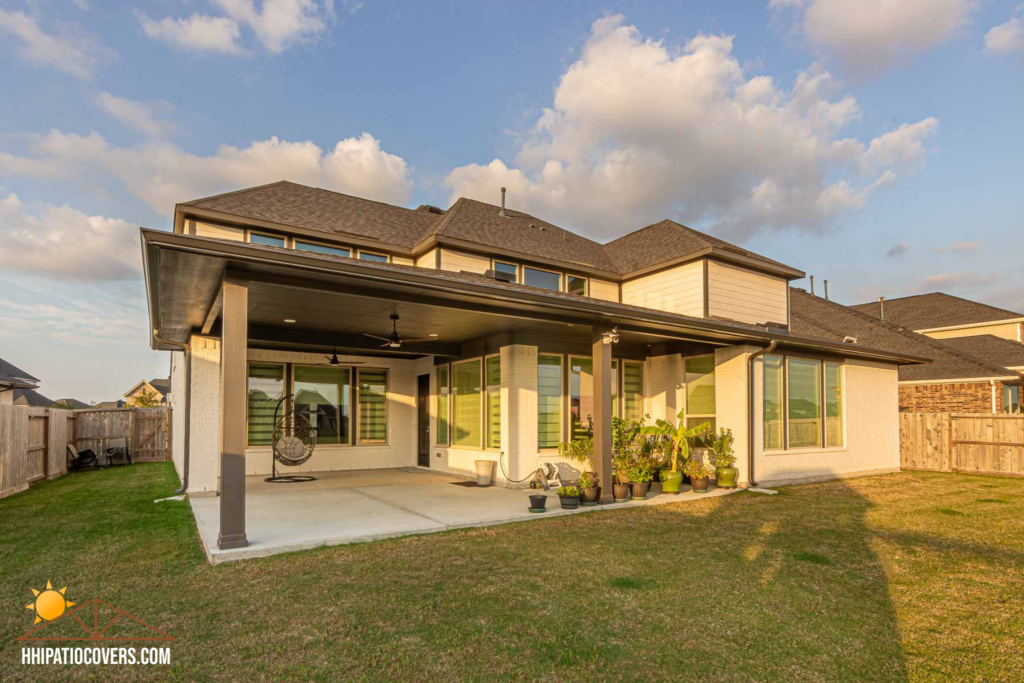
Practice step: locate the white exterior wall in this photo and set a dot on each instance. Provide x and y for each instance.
(731, 368)
(7, 397)
(178, 412)
(745, 295)
(458, 261)
(204, 439)
(220, 232)
(675, 290)
(608, 291)
(1011, 331)
(402, 261)
(428, 259)
(872, 439)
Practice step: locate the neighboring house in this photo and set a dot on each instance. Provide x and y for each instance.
(108, 405)
(13, 378)
(71, 404)
(159, 388)
(31, 399)
(511, 333)
(984, 340)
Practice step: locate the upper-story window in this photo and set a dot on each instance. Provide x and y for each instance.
(322, 248)
(575, 284)
(507, 268)
(370, 256)
(544, 279)
(269, 240)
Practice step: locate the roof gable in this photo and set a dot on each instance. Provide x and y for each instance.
(928, 311)
(1004, 352)
(10, 373)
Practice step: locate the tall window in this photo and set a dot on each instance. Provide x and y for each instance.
(466, 412)
(542, 278)
(633, 390)
(1011, 399)
(700, 391)
(323, 396)
(492, 419)
(266, 387)
(442, 405)
(581, 396)
(803, 403)
(615, 388)
(549, 401)
(773, 400)
(373, 405)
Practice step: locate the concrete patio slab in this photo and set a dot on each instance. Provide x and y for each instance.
(369, 505)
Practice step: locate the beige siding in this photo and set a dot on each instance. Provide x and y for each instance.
(744, 295)
(1006, 331)
(675, 290)
(459, 261)
(599, 289)
(402, 261)
(220, 232)
(427, 260)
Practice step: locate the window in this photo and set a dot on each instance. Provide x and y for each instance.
(576, 285)
(266, 387)
(549, 401)
(508, 268)
(615, 388)
(581, 396)
(773, 398)
(323, 396)
(373, 405)
(803, 379)
(492, 421)
(467, 420)
(1011, 399)
(369, 256)
(269, 240)
(803, 403)
(700, 391)
(322, 248)
(833, 404)
(542, 278)
(442, 405)
(633, 388)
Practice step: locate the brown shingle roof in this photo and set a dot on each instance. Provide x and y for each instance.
(818, 317)
(331, 212)
(11, 373)
(994, 349)
(928, 311)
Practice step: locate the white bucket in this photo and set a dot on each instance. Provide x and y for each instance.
(484, 469)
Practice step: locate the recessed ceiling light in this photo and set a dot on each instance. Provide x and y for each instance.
(289, 320)
(431, 335)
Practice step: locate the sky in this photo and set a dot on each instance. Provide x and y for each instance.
(875, 144)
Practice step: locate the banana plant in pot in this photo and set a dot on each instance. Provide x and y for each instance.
(679, 437)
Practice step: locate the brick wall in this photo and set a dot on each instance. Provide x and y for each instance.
(962, 397)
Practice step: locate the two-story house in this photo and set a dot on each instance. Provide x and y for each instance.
(437, 337)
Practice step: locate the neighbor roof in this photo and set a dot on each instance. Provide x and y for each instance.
(471, 221)
(11, 374)
(31, 398)
(815, 316)
(161, 385)
(1005, 352)
(928, 311)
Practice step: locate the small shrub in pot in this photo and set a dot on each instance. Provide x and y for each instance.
(699, 473)
(569, 497)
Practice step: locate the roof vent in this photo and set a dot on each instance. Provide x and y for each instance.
(430, 209)
(500, 276)
(881, 308)
(849, 340)
(502, 212)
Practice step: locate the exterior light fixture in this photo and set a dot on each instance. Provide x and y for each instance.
(289, 320)
(611, 337)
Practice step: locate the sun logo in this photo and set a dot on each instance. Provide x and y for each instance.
(49, 604)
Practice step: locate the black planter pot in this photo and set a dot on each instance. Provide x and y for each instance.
(538, 503)
(569, 503)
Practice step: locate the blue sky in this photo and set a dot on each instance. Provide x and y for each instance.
(876, 144)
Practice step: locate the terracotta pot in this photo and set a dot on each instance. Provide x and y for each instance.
(640, 490)
(701, 485)
(621, 492)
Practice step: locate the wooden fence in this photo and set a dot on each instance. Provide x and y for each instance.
(977, 443)
(34, 441)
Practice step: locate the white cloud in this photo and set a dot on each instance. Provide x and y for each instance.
(640, 131)
(1008, 37)
(66, 244)
(869, 36)
(955, 281)
(959, 248)
(162, 174)
(73, 52)
(280, 23)
(138, 115)
(199, 32)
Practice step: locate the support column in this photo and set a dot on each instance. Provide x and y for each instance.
(234, 335)
(602, 357)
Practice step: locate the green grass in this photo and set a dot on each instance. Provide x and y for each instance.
(868, 579)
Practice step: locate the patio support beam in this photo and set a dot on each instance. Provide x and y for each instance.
(234, 333)
(602, 358)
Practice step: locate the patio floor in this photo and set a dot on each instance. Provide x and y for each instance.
(369, 505)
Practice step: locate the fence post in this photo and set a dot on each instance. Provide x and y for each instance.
(949, 441)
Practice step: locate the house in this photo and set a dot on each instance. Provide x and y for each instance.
(979, 354)
(13, 378)
(31, 398)
(158, 388)
(71, 404)
(438, 338)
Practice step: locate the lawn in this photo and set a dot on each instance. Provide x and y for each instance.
(903, 577)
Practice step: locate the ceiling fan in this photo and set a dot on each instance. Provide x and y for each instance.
(333, 360)
(395, 341)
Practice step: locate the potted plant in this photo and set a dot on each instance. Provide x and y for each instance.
(538, 502)
(640, 474)
(724, 458)
(590, 492)
(620, 489)
(699, 473)
(678, 439)
(569, 496)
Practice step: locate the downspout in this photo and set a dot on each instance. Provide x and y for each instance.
(992, 383)
(188, 408)
(751, 482)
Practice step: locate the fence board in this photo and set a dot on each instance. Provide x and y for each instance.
(13, 450)
(59, 427)
(976, 443)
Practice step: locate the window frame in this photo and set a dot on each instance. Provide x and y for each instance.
(518, 267)
(643, 387)
(562, 389)
(483, 395)
(285, 373)
(448, 407)
(713, 417)
(360, 252)
(1008, 391)
(296, 241)
(560, 274)
(284, 238)
(586, 283)
(784, 408)
(451, 403)
(351, 391)
(357, 439)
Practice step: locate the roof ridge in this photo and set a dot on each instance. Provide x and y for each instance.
(193, 202)
(448, 217)
(637, 231)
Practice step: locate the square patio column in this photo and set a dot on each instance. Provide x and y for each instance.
(602, 358)
(234, 343)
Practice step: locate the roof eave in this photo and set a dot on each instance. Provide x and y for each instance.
(721, 254)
